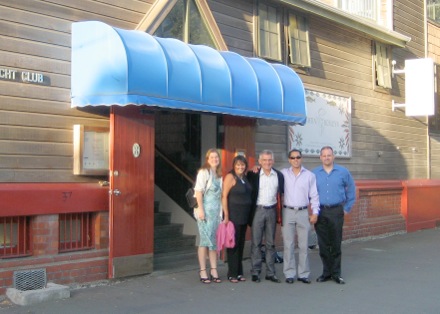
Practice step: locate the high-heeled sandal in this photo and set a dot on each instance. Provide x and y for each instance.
(215, 279)
(241, 278)
(205, 280)
(233, 279)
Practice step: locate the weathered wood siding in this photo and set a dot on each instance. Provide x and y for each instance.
(434, 138)
(342, 64)
(36, 122)
(235, 21)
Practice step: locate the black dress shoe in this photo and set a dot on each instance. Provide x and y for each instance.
(290, 280)
(273, 279)
(256, 278)
(304, 280)
(338, 280)
(323, 278)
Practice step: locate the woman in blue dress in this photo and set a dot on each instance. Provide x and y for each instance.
(208, 190)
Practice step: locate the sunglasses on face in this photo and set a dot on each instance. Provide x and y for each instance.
(297, 157)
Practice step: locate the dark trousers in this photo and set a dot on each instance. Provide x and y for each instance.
(329, 232)
(235, 255)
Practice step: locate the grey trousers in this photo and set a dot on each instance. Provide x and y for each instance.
(296, 222)
(264, 224)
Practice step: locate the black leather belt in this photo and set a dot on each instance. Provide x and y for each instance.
(329, 206)
(268, 207)
(296, 207)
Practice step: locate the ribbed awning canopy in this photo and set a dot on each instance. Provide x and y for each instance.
(112, 66)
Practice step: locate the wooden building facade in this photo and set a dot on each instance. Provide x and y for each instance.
(393, 156)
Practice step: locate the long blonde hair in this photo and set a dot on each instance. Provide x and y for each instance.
(206, 164)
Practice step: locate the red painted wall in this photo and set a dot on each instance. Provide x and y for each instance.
(26, 199)
(420, 204)
(381, 207)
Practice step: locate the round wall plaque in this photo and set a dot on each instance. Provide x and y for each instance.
(136, 150)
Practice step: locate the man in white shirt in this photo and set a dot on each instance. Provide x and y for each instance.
(267, 185)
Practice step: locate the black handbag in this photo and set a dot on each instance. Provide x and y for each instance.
(190, 198)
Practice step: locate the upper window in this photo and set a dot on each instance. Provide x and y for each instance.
(269, 32)
(382, 62)
(365, 8)
(185, 23)
(433, 10)
(298, 40)
(274, 24)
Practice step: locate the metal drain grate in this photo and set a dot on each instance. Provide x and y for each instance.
(30, 279)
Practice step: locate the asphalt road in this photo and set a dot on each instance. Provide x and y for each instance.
(395, 274)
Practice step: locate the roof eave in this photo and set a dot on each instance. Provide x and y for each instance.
(352, 21)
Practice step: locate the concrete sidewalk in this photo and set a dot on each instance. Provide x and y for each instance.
(396, 274)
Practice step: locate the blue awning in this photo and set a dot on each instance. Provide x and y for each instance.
(112, 66)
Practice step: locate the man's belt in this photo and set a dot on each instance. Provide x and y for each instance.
(296, 207)
(330, 206)
(268, 207)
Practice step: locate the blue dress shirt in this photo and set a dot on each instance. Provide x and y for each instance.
(336, 187)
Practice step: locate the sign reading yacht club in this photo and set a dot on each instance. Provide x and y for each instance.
(23, 76)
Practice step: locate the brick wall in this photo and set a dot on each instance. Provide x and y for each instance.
(377, 210)
(63, 268)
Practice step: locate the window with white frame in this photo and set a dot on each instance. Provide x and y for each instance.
(269, 32)
(433, 10)
(299, 52)
(364, 8)
(382, 63)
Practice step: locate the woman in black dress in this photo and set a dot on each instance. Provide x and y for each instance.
(236, 202)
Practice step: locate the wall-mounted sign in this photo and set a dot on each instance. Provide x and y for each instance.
(91, 150)
(23, 76)
(328, 124)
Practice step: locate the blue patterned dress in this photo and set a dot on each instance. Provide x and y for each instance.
(212, 207)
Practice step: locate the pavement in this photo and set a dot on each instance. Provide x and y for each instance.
(394, 274)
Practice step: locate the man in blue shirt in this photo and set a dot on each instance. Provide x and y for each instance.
(337, 194)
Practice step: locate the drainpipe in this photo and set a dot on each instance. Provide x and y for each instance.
(428, 142)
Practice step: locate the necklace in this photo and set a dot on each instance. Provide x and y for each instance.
(241, 179)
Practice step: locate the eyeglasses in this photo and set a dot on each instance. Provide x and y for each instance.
(297, 157)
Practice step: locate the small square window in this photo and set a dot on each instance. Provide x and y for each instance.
(75, 232)
(433, 10)
(14, 237)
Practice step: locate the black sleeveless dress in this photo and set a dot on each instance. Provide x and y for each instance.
(239, 201)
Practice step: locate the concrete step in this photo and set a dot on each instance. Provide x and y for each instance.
(167, 231)
(170, 245)
(177, 261)
(162, 218)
